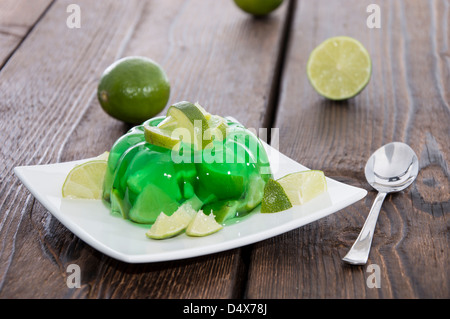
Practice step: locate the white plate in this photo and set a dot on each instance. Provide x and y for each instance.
(92, 222)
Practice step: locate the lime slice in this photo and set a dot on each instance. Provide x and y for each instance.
(161, 137)
(170, 226)
(169, 123)
(203, 225)
(303, 186)
(186, 114)
(85, 180)
(339, 68)
(206, 114)
(192, 117)
(216, 131)
(202, 127)
(275, 198)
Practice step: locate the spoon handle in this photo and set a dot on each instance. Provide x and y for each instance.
(359, 253)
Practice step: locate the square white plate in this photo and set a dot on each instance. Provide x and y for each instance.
(92, 222)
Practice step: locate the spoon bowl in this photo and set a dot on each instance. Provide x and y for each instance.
(391, 168)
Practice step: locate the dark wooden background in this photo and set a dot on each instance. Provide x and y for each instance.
(254, 70)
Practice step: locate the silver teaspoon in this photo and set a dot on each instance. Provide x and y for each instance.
(392, 168)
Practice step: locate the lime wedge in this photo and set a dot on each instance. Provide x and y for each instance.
(161, 137)
(103, 157)
(303, 186)
(170, 226)
(85, 180)
(275, 198)
(339, 68)
(203, 225)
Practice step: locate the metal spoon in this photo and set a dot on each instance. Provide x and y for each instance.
(391, 168)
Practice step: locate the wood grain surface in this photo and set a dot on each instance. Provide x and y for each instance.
(254, 70)
(17, 17)
(407, 100)
(50, 114)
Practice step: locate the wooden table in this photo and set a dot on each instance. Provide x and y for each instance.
(254, 70)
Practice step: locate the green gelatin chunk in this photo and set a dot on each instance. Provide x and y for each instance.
(150, 203)
(222, 210)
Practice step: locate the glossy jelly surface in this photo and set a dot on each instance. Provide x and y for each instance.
(142, 180)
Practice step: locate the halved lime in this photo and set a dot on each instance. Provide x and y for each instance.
(203, 225)
(85, 180)
(275, 198)
(339, 68)
(303, 186)
(169, 226)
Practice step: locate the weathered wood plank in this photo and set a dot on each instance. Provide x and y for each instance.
(213, 53)
(407, 100)
(17, 17)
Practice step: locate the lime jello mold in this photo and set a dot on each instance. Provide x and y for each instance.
(142, 180)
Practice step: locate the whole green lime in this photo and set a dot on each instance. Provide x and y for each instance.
(133, 89)
(258, 7)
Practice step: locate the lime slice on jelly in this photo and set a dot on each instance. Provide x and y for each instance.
(201, 128)
(186, 114)
(161, 137)
(85, 180)
(216, 131)
(169, 226)
(203, 225)
(339, 68)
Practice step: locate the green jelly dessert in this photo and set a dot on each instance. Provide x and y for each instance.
(222, 174)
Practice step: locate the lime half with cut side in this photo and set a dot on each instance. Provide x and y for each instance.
(339, 68)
